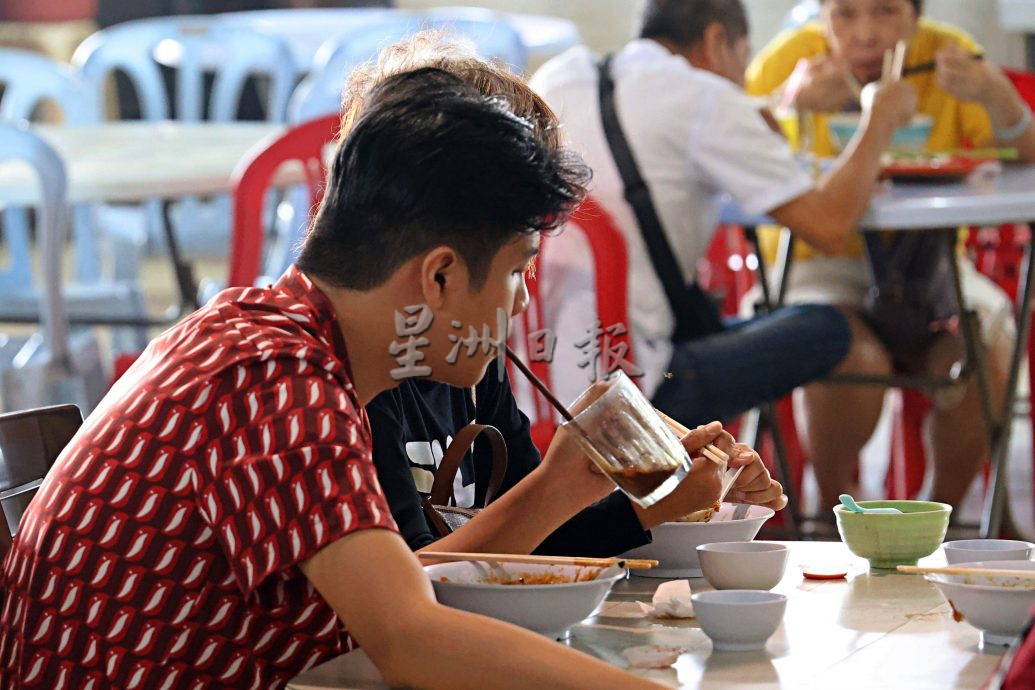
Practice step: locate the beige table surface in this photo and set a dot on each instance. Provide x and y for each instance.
(135, 161)
(872, 630)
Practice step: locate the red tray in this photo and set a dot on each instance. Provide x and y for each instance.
(941, 167)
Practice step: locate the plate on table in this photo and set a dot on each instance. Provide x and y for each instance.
(931, 167)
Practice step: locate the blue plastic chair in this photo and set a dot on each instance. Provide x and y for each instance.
(30, 80)
(192, 46)
(55, 364)
(320, 92)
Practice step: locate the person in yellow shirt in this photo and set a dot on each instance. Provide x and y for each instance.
(972, 104)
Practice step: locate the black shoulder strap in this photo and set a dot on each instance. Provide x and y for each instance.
(694, 313)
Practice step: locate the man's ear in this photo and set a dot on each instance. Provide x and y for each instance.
(714, 43)
(442, 275)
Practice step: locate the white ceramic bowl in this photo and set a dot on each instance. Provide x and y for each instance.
(969, 550)
(743, 564)
(739, 620)
(997, 606)
(549, 609)
(675, 543)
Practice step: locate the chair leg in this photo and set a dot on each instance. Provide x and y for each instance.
(908, 462)
(767, 420)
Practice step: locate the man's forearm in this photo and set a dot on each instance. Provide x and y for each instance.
(848, 189)
(465, 652)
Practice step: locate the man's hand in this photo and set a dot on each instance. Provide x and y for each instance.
(701, 487)
(890, 104)
(754, 485)
(824, 85)
(963, 76)
(568, 465)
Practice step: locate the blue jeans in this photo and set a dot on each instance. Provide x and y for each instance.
(754, 361)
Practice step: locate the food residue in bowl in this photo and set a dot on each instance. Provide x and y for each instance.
(1005, 583)
(541, 578)
(956, 615)
(701, 515)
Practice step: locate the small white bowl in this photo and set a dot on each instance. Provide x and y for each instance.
(999, 607)
(675, 544)
(549, 609)
(739, 620)
(969, 550)
(743, 564)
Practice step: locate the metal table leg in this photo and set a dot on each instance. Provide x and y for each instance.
(995, 498)
(763, 418)
(182, 271)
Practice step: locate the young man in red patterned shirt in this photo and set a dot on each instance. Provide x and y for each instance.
(217, 521)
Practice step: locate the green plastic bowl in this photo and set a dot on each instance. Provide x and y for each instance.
(890, 540)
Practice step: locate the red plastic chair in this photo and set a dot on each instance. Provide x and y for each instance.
(727, 270)
(611, 270)
(252, 178)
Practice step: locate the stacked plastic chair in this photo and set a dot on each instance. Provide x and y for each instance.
(320, 92)
(55, 364)
(193, 46)
(29, 82)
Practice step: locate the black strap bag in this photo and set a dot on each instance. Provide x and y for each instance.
(695, 313)
(913, 295)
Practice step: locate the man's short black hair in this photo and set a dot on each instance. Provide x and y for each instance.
(683, 22)
(432, 162)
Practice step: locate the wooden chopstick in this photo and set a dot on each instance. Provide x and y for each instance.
(710, 451)
(885, 69)
(930, 66)
(631, 563)
(540, 386)
(898, 61)
(960, 570)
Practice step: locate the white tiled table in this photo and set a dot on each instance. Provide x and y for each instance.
(872, 630)
(134, 161)
(131, 161)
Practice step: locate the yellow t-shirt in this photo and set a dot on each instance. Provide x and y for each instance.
(957, 124)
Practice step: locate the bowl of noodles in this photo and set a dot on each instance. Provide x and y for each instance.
(547, 599)
(674, 544)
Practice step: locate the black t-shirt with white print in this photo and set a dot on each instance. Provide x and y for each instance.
(414, 423)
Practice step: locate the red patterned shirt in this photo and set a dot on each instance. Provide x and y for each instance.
(162, 550)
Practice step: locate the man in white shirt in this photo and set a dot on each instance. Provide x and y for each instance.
(696, 136)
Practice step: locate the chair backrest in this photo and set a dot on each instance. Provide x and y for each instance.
(302, 145)
(611, 273)
(727, 269)
(18, 143)
(320, 92)
(30, 80)
(194, 45)
(30, 442)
